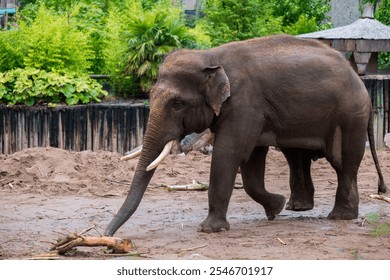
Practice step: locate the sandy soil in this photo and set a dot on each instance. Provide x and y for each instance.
(47, 192)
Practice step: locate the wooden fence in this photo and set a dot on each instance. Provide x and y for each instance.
(121, 127)
(378, 87)
(111, 127)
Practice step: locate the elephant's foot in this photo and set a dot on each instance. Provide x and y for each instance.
(275, 206)
(213, 224)
(344, 214)
(301, 204)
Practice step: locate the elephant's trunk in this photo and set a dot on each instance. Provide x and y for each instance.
(153, 145)
(133, 199)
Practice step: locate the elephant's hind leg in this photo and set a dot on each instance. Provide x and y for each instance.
(346, 163)
(347, 199)
(301, 184)
(252, 172)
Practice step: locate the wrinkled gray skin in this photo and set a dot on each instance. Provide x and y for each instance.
(295, 94)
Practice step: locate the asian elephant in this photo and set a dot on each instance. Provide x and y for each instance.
(296, 94)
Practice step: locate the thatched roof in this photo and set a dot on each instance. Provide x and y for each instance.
(364, 38)
(363, 28)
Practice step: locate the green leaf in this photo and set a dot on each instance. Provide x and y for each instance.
(72, 100)
(68, 90)
(26, 86)
(30, 101)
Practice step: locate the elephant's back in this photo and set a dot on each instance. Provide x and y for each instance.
(293, 65)
(287, 73)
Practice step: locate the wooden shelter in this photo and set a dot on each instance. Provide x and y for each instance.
(360, 41)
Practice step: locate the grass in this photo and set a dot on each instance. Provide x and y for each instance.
(380, 229)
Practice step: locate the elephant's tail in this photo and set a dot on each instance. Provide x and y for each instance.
(370, 131)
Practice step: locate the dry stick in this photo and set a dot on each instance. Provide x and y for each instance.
(195, 186)
(117, 244)
(72, 240)
(193, 248)
(281, 241)
(380, 197)
(45, 256)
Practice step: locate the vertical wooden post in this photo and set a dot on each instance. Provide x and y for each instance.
(380, 114)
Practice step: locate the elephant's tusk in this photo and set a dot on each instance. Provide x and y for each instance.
(161, 157)
(133, 154)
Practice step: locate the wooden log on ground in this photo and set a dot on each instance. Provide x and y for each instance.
(380, 197)
(194, 186)
(73, 240)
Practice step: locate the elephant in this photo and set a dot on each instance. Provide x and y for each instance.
(278, 91)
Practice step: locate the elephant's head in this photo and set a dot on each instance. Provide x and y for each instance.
(187, 96)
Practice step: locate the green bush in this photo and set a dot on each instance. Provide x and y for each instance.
(292, 11)
(148, 40)
(139, 35)
(53, 44)
(12, 50)
(90, 19)
(48, 42)
(302, 26)
(383, 15)
(32, 86)
(231, 20)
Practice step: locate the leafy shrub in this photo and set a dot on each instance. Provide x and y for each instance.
(30, 86)
(383, 15)
(302, 26)
(53, 44)
(231, 20)
(90, 19)
(49, 42)
(292, 10)
(138, 37)
(12, 50)
(148, 40)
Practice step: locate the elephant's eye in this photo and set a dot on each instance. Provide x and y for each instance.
(178, 105)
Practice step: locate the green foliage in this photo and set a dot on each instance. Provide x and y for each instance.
(302, 26)
(90, 19)
(373, 218)
(148, 39)
(49, 42)
(230, 20)
(129, 38)
(30, 86)
(140, 35)
(293, 10)
(12, 50)
(381, 229)
(383, 12)
(54, 44)
(383, 15)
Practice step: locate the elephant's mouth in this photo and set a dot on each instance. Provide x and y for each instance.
(137, 151)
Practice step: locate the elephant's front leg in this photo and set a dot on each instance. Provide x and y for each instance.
(224, 168)
(252, 172)
(301, 184)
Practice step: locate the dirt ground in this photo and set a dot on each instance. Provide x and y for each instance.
(48, 192)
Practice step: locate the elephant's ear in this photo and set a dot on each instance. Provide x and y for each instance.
(217, 87)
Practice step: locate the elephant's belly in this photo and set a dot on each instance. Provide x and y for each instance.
(271, 139)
